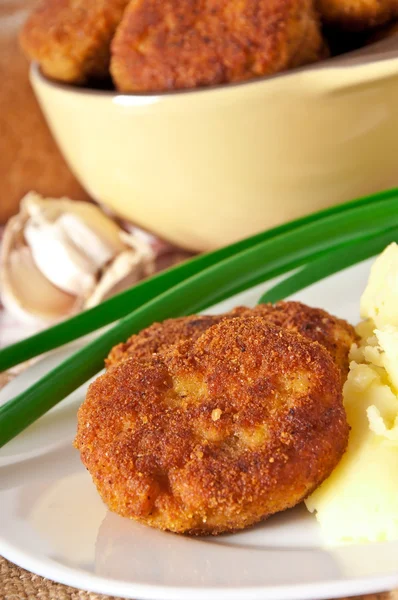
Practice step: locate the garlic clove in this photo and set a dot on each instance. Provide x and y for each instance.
(81, 238)
(28, 294)
(106, 229)
(126, 270)
(52, 209)
(60, 256)
(89, 243)
(58, 259)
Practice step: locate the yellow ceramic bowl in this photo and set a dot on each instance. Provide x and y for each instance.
(205, 168)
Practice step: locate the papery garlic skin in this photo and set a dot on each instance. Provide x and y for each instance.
(61, 256)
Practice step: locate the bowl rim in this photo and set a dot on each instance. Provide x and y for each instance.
(37, 73)
(349, 59)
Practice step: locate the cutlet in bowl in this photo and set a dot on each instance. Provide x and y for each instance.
(71, 39)
(203, 110)
(215, 434)
(357, 15)
(167, 45)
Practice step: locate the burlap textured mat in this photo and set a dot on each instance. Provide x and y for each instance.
(18, 584)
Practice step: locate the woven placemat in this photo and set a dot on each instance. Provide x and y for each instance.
(18, 584)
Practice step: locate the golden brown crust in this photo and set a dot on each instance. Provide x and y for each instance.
(357, 15)
(169, 44)
(336, 335)
(71, 38)
(215, 434)
(315, 324)
(159, 335)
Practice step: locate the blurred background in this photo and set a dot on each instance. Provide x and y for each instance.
(194, 170)
(29, 157)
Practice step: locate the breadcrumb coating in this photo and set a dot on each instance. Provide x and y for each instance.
(71, 38)
(214, 434)
(336, 335)
(169, 44)
(159, 335)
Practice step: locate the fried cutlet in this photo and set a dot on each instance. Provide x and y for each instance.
(170, 45)
(315, 324)
(357, 15)
(336, 335)
(160, 335)
(216, 434)
(71, 38)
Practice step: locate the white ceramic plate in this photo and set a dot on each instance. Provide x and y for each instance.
(52, 521)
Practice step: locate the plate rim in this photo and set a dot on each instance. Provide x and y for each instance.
(51, 569)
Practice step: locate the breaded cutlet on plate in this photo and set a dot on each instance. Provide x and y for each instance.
(215, 434)
(336, 335)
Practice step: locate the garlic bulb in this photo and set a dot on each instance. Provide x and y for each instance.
(60, 256)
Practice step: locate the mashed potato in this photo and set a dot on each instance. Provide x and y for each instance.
(359, 501)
